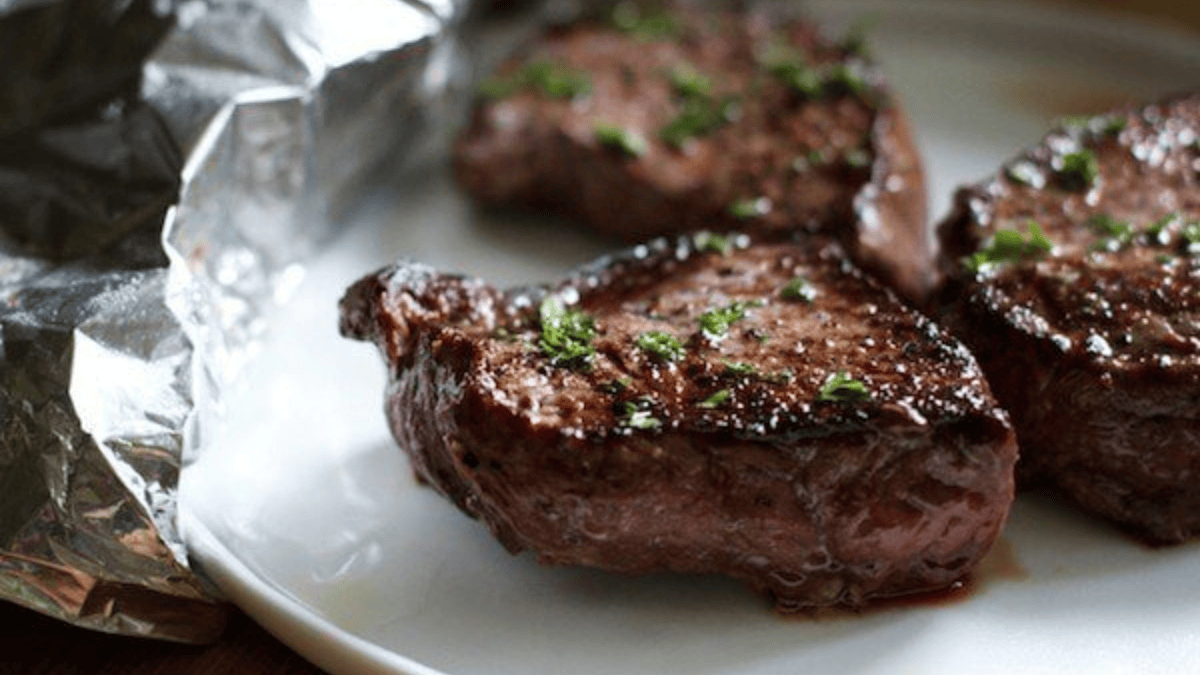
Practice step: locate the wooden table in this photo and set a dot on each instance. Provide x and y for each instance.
(31, 644)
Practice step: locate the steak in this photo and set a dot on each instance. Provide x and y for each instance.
(667, 118)
(765, 412)
(1072, 276)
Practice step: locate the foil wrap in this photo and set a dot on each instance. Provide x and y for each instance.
(166, 167)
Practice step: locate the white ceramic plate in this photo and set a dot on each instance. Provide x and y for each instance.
(307, 515)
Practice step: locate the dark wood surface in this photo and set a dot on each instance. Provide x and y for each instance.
(31, 644)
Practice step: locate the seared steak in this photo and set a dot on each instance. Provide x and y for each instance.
(1090, 334)
(768, 413)
(665, 118)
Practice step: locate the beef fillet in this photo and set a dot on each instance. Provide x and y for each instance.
(767, 413)
(1072, 274)
(663, 118)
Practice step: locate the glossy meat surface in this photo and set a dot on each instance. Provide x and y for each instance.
(688, 120)
(733, 453)
(1094, 346)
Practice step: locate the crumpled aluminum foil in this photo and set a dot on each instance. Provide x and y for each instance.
(166, 166)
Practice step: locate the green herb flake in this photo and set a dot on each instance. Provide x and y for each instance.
(776, 52)
(647, 23)
(559, 81)
(617, 385)
(567, 335)
(630, 143)
(780, 377)
(744, 209)
(841, 388)
(718, 399)
(1010, 246)
(1157, 232)
(713, 243)
(498, 87)
(858, 158)
(1025, 173)
(1114, 234)
(814, 82)
(798, 289)
(738, 369)
(1075, 122)
(689, 82)
(700, 116)
(551, 79)
(1191, 236)
(1078, 170)
(504, 334)
(808, 83)
(1115, 125)
(661, 345)
(846, 78)
(635, 416)
(714, 324)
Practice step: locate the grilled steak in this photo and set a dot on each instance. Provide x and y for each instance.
(666, 118)
(767, 413)
(1089, 328)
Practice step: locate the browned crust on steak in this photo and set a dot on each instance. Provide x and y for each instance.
(1095, 352)
(814, 503)
(533, 151)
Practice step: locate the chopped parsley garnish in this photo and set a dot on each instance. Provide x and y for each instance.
(781, 377)
(689, 82)
(566, 335)
(744, 209)
(1025, 173)
(842, 388)
(846, 78)
(713, 243)
(551, 79)
(662, 345)
(1191, 236)
(617, 386)
(498, 87)
(714, 324)
(648, 23)
(1157, 233)
(1077, 171)
(1115, 234)
(1009, 246)
(1111, 125)
(858, 158)
(718, 399)
(798, 289)
(738, 368)
(631, 143)
(804, 81)
(810, 82)
(1115, 125)
(635, 416)
(701, 115)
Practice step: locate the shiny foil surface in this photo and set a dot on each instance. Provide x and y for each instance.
(166, 168)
